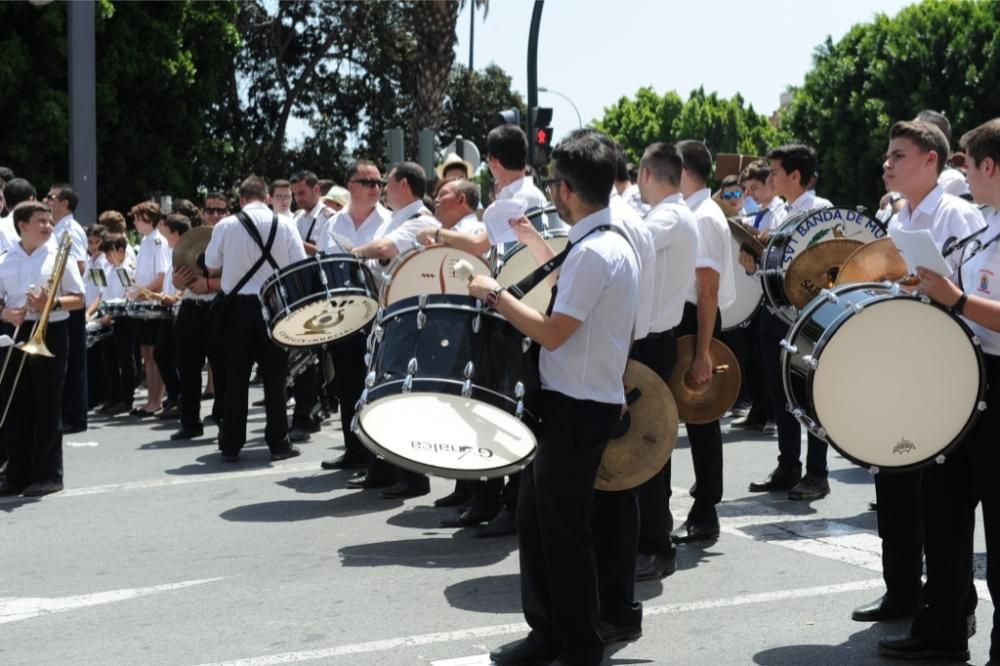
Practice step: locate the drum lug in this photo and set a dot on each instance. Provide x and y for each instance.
(981, 405)
(976, 340)
(378, 331)
(363, 400)
(467, 388)
(411, 367)
(821, 433)
(469, 370)
(525, 345)
(519, 390)
(857, 307)
(354, 424)
(810, 361)
(939, 459)
(408, 384)
(829, 295)
(421, 319)
(789, 347)
(519, 410)
(422, 301)
(477, 323)
(368, 359)
(873, 470)
(386, 279)
(924, 298)
(370, 380)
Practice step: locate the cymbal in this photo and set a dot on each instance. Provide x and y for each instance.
(815, 268)
(190, 246)
(636, 456)
(745, 237)
(876, 261)
(704, 403)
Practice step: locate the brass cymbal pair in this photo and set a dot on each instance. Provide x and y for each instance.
(191, 246)
(840, 261)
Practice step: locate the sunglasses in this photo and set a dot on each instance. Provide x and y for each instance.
(732, 195)
(549, 182)
(215, 211)
(369, 182)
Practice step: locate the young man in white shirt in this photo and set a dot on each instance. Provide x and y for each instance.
(405, 188)
(14, 192)
(585, 341)
(119, 356)
(281, 197)
(32, 432)
(313, 216)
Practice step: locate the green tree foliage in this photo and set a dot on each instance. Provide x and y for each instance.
(939, 54)
(726, 125)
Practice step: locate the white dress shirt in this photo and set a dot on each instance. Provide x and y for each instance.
(117, 290)
(641, 238)
(675, 238)
(715, 248)
(598, 284)
(8, 235)
(98, 264)
(953, 182)
(235, 252)
(313, 226)
(470, 224)
(342, 224)
(152, 259)
(944, 215)
(632, 197)
(805, 202)
(981, 277)
(76, 232)
(523, 189)
(20, 271)
(772, 216)
(405, 223)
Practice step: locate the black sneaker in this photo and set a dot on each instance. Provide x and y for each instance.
(810, 488)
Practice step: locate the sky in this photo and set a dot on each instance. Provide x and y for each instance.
(596, 51)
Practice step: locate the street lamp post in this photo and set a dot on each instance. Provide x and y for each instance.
(579, 119)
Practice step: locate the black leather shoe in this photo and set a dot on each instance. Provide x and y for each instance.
(873, 505)
(454, 498)
(654, 566)
(42, 488)
(229, 457)
(407, 489)
(469, 518)
(883, 609)
(525, 652)
(780, 479)
(810, 488)
(363, 482)
(695, 532)
(909, 647)
(74, 429)
(285, 454)
(10, 490)
(343, 462)
(299, 435)
(617, 633)
(187, 433)
(503, 524)
(170, 412)
(746, 423)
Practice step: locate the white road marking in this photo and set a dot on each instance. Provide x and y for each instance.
(75, 445)
(13, 609)
(475, 633)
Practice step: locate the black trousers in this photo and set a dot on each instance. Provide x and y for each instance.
(306, 392)
(74, 399)
(348, 356)
(745, 342)
(659, 352)
(901, 528)
(194, 342)
(98, 389)
(33, 430)
(120, 360)
(165, 355)
(772, 331)
(705, 440)
(559, 575)
(247, 342)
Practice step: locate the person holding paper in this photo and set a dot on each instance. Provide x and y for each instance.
(951, 491)
(915, 156)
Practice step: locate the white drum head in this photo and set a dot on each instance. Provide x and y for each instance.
(447, 435)
(429, 270)
(324, 321)
(749, 293)
(896, 383)
(520, 263)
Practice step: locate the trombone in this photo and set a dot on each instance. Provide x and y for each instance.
(35, 344)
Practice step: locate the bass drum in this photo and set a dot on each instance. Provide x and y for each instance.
(749, 292)
(890, 381)
(450, 389)
(804, 230)
(428, 270)
(318, 300)
(518, 263)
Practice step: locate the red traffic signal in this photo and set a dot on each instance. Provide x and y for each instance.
(543, 136)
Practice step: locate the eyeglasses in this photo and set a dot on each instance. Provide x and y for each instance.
(732, 195)
(215, 211)
(50, 197)
(369, 182)
(549, 182)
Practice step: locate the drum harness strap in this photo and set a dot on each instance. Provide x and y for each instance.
(312, 222)
(951, 246)
(265, 249)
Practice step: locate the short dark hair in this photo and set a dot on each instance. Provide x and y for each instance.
(664, 161)
(149, 211)
(796, 157)
(187, 208)
(253, 188)
(414, 176)
(6, 173)
(97, 230)
(468, 190)
(697, 158)
(113, 221)
(216, 194)
(353, 167)
(937, 119)
(730, 181)
(587, 164)
(67, 194)
(758, 171)
(307, 177)
(18, 190)
(24, 211)
(982, 142)
(926, 136)
(275, 184)
(509, 144)
(621, 163)
(114, 242)
(178, 223)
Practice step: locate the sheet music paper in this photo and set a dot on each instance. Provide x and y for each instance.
(497, 220)
(920, 249)
(98, 278)
(124, 277)
(343, 241)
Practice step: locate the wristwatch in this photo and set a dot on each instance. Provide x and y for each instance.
(959, 304)
(493, 297)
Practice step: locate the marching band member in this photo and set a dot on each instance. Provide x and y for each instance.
(313, 216)
(951, 491)
(281, 197)
(755, 180)
(33, 436)
(585, 340)
(95, 278)
(119, 356)
(239, 253)
(171, 228)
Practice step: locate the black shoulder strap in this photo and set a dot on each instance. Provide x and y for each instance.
(543, 271)
(265, 248)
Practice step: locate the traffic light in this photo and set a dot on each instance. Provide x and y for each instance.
(541, 116)
(510, 116)
(543, 146)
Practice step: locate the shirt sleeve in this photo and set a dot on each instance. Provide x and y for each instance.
(405, 235)
(661, 225)
(711, 244)
(72, 281)
(213, 253)
(296, 250)
(582, 279)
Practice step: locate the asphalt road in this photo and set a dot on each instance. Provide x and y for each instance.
(157, 553)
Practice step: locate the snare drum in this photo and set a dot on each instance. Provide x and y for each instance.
(801, 231)
(318, 300)
(450, 389)
(115, 307)
(518, 263)
(890, 381)
(96, 332)
(428, 270)
(546, 219)
(148, 310)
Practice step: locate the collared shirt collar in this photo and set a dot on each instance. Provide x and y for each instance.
(697, 198)
(675, 198)
(929, 203)
(67, 218)
(407, 211)
(803, 202)
(471, 217)
(589, 223)
(774, 204)
(515, 186)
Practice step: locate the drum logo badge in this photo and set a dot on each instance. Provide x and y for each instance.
(904, 446)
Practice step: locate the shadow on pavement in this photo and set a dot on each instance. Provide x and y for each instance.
(861, 649)
(854, 475)
(488, 594)
(429, 553)
(352, 504)
(209, 463)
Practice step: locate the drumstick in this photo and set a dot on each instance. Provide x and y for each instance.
(463, 269)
